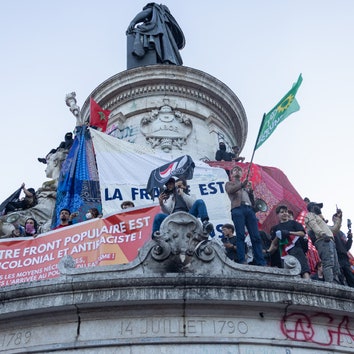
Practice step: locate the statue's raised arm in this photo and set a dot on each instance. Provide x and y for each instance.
(154, 37)
(71, 102)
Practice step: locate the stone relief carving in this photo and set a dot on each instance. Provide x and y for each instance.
(166, 128)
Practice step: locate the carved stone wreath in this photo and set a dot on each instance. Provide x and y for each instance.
(166, 128)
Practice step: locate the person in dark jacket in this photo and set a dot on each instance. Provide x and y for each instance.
(222, 154)
(343, 244)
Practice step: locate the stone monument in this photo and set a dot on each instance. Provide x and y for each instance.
(182, 293)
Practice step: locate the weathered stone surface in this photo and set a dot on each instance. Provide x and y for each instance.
(149, 305)
(212, 108)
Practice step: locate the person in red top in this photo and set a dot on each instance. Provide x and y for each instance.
(65, 218)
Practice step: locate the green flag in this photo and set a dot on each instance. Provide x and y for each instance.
(283, 109)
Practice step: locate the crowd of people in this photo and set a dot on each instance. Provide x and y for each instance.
(288, 237)
(244, 243)
(66, 216)
(243, 240)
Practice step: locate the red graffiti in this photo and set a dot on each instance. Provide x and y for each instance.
(319, 328)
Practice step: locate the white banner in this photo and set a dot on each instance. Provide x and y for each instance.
(124, 169)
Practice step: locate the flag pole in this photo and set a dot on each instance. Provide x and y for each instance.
(255, 146)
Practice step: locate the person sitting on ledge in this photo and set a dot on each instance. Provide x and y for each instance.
(222, 154)
(176, 198)
(66, 145)
(28, 201)
(235, 155)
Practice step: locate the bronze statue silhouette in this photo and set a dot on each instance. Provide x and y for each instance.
(157, 40)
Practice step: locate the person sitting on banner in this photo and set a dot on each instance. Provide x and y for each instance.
(66, 218)
(127, 204)
(222, 154)
(28, 201)
(229, 241)
(176, 198)
(243, 215)
(287, 238)
(29, 230)
(93, 213)
(235, 155)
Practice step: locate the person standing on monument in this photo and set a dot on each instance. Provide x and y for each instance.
(324, 240)
(343, 244)
(287, 236)
(243, 215)
(229, 241)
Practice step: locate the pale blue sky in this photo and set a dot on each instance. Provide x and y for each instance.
(258, 48)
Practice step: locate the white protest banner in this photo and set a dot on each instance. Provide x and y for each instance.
(124, 169)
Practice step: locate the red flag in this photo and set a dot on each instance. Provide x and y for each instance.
(98, 115)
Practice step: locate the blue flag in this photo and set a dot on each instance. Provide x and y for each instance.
(78, 184)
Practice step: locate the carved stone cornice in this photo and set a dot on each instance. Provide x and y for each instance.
(178, 279)
(194, 87)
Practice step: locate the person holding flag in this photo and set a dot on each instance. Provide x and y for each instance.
(28, 201)
(243, 215)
